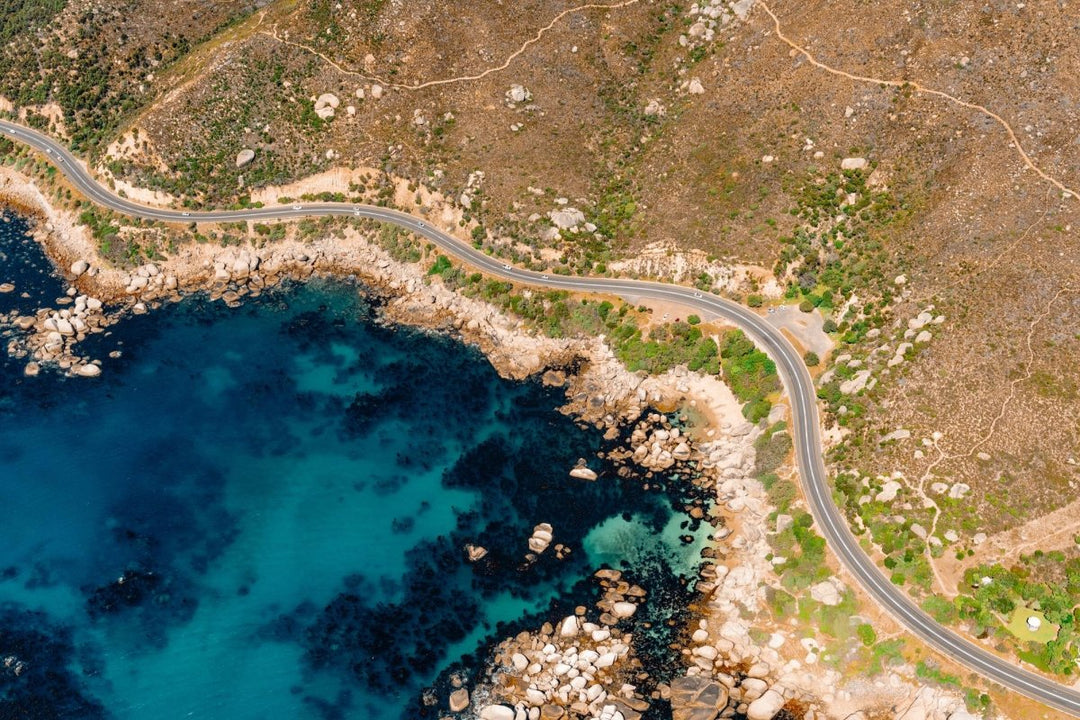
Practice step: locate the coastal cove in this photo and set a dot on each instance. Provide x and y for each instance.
(263, 511)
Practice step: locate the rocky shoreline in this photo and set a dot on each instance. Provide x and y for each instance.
(572, 667)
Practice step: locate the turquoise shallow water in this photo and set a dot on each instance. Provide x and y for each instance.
(261, 512)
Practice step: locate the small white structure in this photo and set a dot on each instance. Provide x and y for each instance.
(1034, 623)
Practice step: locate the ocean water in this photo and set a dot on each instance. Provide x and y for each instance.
(261, 512)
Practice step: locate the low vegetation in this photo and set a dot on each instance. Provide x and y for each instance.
(1044, 585)
(748, 371)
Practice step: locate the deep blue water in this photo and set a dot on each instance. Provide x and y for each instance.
(261, 512)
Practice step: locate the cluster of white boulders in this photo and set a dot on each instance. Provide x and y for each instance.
(731, 455)
(657, 445)
(725, 693)
(573, 669)
(708, 17)
(541, 539)
(239, 271)
(53, 333)
(230, 275)
(148, 280)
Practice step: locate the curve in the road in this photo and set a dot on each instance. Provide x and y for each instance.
(792, 369)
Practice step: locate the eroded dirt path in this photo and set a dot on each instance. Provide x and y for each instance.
(920, 88)
(460, 79)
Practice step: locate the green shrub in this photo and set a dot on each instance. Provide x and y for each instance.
(750, 374)
(811, 359)
(441, 265)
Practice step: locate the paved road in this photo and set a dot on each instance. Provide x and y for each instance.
(793, 371)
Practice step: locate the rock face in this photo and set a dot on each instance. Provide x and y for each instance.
(244, 157)
(79, 267)
(853, 164)
(697, 698)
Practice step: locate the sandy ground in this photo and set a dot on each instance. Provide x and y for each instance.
(804, 327)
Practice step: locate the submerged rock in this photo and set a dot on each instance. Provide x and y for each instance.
(697, 698)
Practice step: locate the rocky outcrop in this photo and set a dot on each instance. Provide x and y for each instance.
(518, 94)
(583, 473)
(459, 700)
(51, 335)
(541, 538)
(567, 218)
(326, 105)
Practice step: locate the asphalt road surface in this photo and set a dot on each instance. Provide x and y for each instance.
(793, 372)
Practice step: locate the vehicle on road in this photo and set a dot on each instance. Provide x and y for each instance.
(297, 207)
(186, 214)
